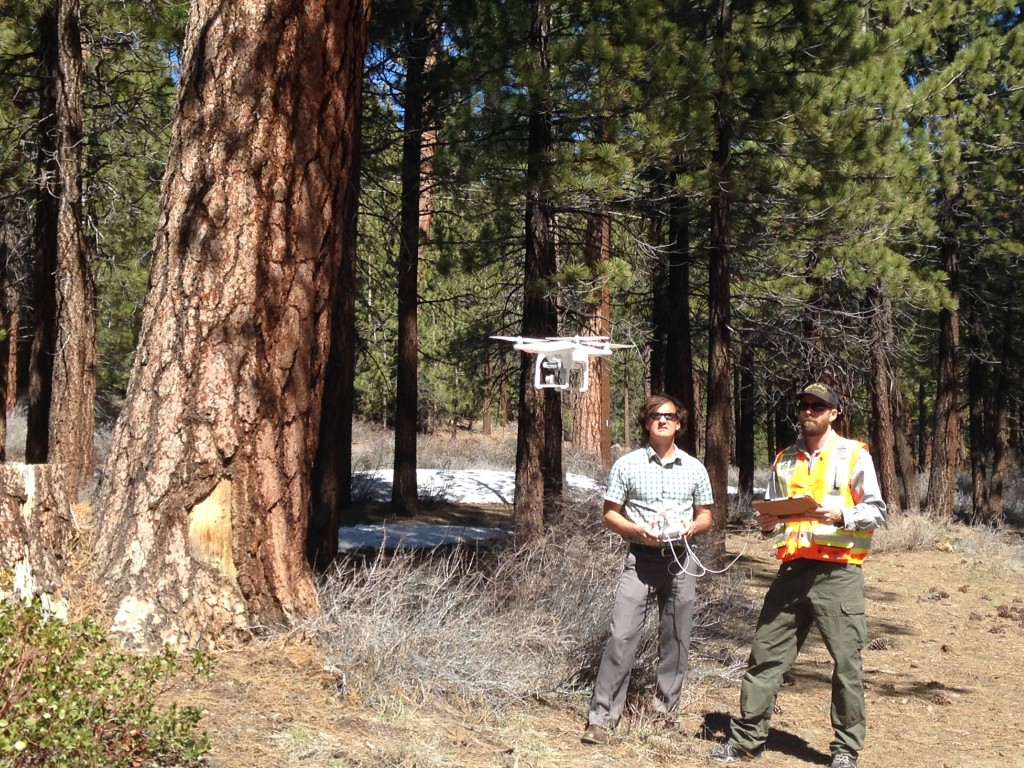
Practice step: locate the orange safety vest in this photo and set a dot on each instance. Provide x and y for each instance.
(829, 478)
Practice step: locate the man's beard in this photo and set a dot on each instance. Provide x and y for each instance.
(811, 428)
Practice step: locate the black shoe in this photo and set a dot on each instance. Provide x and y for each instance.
(595, 734)
(844, 760)
(729, 753)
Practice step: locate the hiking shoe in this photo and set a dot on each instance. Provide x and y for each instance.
(729, 753)
(595, 734)
(843, 760)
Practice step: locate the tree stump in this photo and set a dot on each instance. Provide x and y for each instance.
(37, 531)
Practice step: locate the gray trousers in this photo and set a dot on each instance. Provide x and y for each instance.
(830, 595)
(646, 579)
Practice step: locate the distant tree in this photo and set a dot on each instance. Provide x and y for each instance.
(419, 43)
(202, 517)
(63, 372)
(719, 409)
(592, 413)
(331, 475)
(539, 440)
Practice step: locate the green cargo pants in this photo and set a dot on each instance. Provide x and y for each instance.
(830, 595)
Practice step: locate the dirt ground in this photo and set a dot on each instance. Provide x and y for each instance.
(944, 681)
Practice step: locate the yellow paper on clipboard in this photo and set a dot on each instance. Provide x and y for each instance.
(798, 505)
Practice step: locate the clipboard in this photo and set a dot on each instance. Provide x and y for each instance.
(794, 507)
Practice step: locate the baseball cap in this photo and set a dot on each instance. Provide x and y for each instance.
(824, 393)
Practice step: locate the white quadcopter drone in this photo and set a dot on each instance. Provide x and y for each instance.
(557, 356)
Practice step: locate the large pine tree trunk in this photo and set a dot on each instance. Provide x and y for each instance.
(592, 414)
(202, 520)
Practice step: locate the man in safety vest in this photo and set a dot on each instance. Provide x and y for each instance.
(819, 581)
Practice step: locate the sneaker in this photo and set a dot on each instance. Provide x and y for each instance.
(844, 760)
(729, 753)
(595, 734)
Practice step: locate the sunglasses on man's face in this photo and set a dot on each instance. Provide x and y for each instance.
(815, 407)
(670, 417)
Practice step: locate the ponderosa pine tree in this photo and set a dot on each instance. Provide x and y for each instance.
(202, 517)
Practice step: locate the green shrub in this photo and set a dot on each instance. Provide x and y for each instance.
(68, 698)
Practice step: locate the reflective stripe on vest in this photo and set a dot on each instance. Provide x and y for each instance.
(828, 479)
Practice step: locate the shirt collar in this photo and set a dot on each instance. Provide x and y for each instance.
(677, 456)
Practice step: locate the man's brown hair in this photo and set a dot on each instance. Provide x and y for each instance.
(652, 404)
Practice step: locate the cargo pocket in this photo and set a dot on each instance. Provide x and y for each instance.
(856, 631)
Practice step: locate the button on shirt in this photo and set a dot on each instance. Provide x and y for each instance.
(646, 487)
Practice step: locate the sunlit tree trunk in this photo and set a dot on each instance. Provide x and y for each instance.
(202, 519)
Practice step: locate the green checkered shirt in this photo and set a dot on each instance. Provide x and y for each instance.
(645, 487)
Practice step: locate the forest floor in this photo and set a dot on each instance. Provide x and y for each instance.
(944, 683)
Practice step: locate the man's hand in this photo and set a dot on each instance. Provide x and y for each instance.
(766, 521)
(829, 516)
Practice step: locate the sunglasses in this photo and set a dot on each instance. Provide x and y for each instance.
(670, 417)
(815, 407)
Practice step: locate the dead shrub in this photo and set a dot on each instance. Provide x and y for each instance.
(494, 627)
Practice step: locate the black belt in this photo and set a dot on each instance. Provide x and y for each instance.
(678, 549)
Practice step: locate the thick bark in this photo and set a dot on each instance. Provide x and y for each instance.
(946, 445)
(417, 47)
(538, 442)
(592, 414)
(719, 416)
(202, 522)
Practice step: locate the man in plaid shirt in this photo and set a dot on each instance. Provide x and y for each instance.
(657, 497)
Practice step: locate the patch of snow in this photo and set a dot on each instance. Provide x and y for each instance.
(465, 486)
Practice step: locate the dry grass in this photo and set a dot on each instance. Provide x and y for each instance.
(494, 628)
